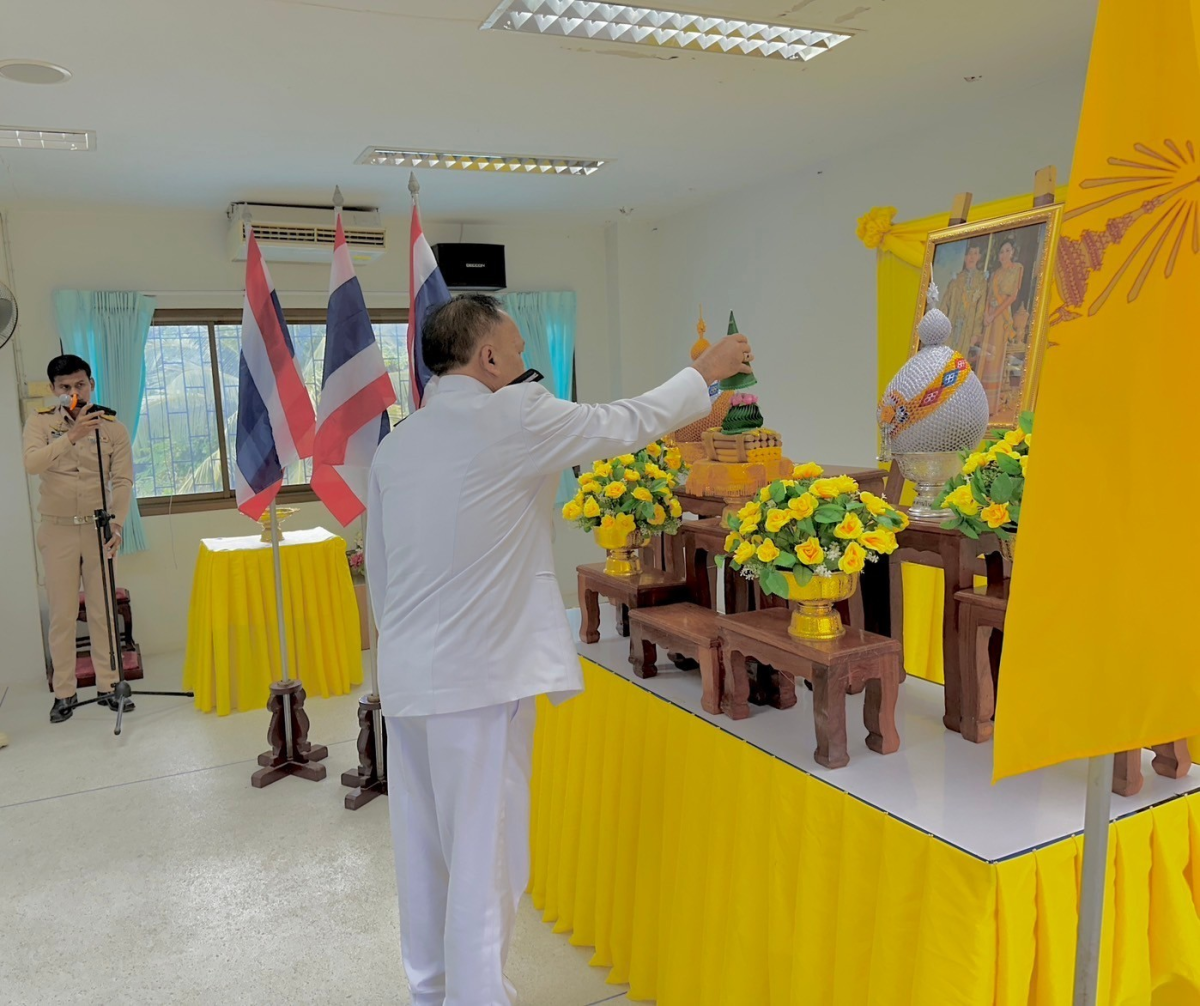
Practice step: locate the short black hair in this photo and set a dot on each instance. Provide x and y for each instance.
(453, 331)
(65, 366)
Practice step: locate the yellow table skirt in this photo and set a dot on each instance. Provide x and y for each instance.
(233, 640)
(708, 873)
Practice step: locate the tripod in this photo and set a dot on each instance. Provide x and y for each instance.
(121, 691)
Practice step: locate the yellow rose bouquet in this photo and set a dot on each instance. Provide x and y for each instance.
(630, 493)
(810, 526)
(986, 496)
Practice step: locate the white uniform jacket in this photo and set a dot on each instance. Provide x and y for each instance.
(460, 510)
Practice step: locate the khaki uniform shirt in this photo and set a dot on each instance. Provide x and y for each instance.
(70, 479)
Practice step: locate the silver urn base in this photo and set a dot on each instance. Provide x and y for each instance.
(929, 472)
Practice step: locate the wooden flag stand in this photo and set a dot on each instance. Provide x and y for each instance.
(291, 752)
(369, 779)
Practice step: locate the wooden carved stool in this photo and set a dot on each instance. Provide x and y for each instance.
(1173, 761)
(980, 637)
(686, 629)
(831, 666)
(647, 589)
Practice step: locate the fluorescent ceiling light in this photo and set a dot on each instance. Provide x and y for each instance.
(605, 22)
(47, 139)
(514, 164)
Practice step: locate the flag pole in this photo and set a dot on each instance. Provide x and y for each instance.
(283, 647)
(1095, 867)
(373, 658)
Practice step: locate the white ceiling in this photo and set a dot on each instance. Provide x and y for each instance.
(205, 102)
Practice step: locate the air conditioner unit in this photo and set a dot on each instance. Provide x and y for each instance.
(304, 233)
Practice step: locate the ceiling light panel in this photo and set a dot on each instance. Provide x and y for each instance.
(496, 163)
(667, 29)
(47, 139)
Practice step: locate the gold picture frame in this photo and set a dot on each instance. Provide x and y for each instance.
(994, 279)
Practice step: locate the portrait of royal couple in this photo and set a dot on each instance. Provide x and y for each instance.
(989, 303)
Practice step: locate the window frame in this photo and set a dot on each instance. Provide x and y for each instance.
(153, 506)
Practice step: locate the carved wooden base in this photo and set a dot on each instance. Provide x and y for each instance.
(369, 779)
(275, 763)
(1172, 761)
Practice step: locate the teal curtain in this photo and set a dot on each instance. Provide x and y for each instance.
(547, 323)
(109, 330)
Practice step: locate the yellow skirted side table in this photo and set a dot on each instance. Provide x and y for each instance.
(706, 872)
(233, 640)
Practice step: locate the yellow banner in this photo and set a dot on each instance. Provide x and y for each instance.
(1102, 650)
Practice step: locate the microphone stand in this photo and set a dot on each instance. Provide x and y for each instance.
(116, 657)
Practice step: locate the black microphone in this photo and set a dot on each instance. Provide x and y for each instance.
(97, 407)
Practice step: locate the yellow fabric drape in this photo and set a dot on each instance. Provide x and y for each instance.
(900, 253)
(233, 640)
(1126, 263)
(705, 872)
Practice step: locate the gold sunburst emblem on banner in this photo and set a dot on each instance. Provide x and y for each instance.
(1168, 180)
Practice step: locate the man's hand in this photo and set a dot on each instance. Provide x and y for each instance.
(85, 426)
(113, 545)
(728, 357)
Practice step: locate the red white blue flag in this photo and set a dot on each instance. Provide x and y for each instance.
(356, 392)
(275, 422)
(427, 290)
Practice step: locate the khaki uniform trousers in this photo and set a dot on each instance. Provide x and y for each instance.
(67, 549)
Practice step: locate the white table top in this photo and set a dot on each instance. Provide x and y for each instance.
(249, 543)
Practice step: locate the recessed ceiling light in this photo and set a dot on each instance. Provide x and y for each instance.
(47, 139)
(605, 22)
(511, 163)
(33, 71)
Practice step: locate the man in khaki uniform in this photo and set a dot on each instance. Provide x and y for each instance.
(60, 446)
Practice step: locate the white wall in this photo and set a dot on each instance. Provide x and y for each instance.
(19, 620)
(785, 258)
(782, 255)
(181, 257)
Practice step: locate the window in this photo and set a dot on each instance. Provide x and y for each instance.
(183, 455)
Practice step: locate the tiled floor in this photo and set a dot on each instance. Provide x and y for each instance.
(145, 869)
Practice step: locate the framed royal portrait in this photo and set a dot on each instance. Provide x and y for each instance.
(994, 281)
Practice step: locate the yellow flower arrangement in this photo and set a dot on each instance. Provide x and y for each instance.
(810, 526)
(630, 493)
(987, 496)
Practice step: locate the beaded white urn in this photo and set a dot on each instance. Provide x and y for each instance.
(933, 409)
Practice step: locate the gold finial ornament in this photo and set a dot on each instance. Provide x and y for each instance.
(701, 343)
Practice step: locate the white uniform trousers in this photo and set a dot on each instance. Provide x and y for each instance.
(459, 798)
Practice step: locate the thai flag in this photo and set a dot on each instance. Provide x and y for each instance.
(427, 290)
(275, 420)
(355, 394)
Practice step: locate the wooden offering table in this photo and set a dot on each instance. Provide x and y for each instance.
(927, 543)
(981, 614)
(703, 540)
(1172, 760)
(832, 667)
(646, 589)
(686, 629)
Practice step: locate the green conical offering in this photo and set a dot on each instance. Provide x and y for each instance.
(738, 381)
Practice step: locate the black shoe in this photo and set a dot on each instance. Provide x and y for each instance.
(63, 709)
(109, 701)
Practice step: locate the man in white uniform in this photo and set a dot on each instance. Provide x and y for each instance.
(472, 626)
